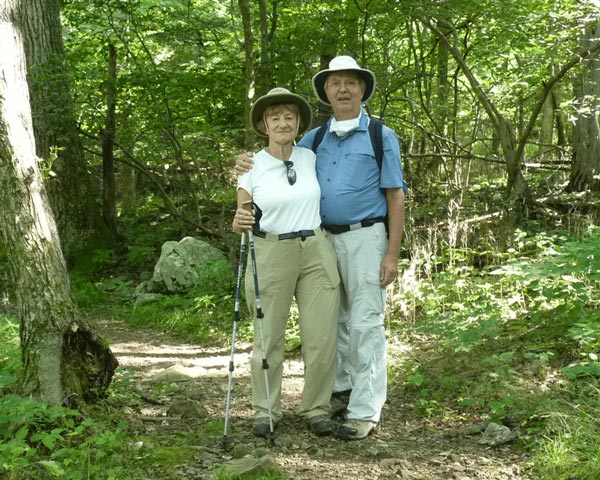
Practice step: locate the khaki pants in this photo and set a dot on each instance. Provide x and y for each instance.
(305, 269)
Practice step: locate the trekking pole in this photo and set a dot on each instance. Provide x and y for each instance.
(236, 319)
(260, 316)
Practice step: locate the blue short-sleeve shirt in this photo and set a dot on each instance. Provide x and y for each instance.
(350, 179)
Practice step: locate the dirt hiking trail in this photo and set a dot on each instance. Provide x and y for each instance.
(406, 446)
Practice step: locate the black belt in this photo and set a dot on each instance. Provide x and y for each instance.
(288, 236)
(335, 229)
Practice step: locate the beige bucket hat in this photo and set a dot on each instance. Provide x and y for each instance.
(275, 96)
(343, 62)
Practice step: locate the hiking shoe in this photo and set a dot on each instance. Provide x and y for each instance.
(262, 428)
(357, 429)
(321, 425)
(339, 403)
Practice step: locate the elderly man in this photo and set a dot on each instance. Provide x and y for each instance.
(362, 211)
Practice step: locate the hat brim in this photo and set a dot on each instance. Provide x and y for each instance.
(259, 107)
(319, 79)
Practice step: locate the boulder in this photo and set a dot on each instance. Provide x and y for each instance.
(250, 466)
(144, 298)
(183, 265)
(495, 435)
(178, 373)
(188, 409)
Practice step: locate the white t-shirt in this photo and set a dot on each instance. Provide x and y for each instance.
(286, 208)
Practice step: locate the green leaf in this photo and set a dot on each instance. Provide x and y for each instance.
(582, 370)
(21, 433)
(416, 379)
(52, 467)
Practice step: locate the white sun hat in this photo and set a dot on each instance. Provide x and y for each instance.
(341, 63)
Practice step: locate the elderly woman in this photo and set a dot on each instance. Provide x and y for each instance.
(293, 259)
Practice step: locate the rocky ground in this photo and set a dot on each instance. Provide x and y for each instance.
(406, 447)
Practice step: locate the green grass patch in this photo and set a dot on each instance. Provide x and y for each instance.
(568, 447)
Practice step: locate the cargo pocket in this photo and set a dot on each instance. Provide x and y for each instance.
(372, 301)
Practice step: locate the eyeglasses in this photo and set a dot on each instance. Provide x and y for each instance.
(337, 84)
(291, 173)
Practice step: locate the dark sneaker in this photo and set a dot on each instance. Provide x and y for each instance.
(321, 425)
(262, 428)
(357, 429)
(339, 403)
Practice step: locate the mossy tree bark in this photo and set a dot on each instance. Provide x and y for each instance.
(71, 190)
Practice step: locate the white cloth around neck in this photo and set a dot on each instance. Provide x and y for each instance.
(344, 127)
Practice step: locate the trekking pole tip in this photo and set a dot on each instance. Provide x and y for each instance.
(226, 443)
(271, 438)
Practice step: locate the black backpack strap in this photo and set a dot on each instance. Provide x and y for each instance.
(318, 138)
(376, 135)
(375, 132)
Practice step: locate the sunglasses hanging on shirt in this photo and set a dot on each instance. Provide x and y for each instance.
(291, 173)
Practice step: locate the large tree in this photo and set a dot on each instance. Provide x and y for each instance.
(62, 357)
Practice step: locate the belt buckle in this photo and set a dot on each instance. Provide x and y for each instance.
(304, 234)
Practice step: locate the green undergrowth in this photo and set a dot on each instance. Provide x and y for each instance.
(197, 316)
(98, 441)
(40, 441)
(515, 342)
(203, 315)
(503, 329)
(104, 282)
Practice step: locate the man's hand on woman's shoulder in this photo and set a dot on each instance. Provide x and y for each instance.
(243, 163)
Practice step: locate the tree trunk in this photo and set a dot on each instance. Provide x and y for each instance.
(585, 168)
(109, 192)
(62, 358)
(547, 126)
(561, 136)
(70, 189)
(128, 181)
(248, 47)
(264, 69)
(443, 86)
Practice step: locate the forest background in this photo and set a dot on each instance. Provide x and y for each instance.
(138, 109)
